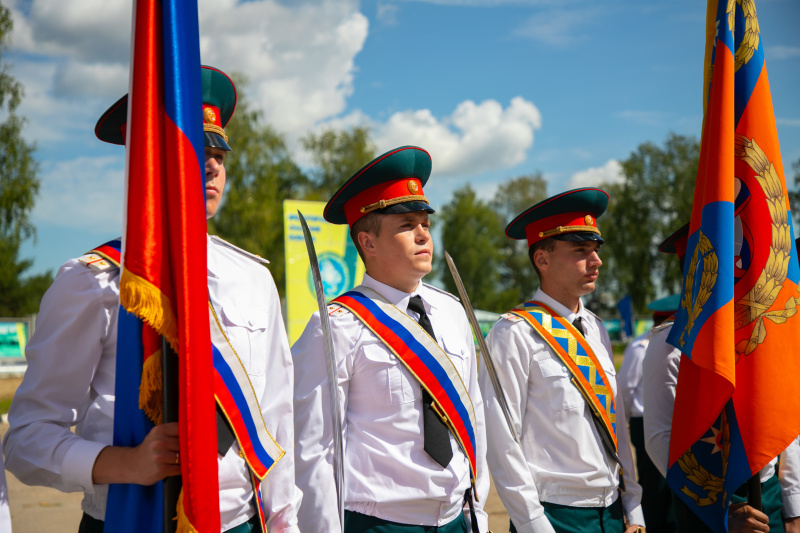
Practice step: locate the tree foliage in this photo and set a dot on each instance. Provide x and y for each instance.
(653, 201)
(495, 269)
(472, 234)
(518, 280)
(19, 186)
(337, 156)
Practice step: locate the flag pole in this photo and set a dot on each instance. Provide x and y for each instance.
(754, 492)
(172, 484)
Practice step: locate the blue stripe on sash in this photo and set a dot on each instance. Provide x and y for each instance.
(425, 356)
(232, 385)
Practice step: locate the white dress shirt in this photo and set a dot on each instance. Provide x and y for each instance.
(70, 382)
(562, 459)
(387, 473)
(629, 379)
(660, 376)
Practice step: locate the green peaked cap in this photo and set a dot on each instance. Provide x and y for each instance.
(668, 304)
(577, 202)
(403, 163)
(217, 90)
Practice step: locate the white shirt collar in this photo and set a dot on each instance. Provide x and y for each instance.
(558, 307)
(397, 297)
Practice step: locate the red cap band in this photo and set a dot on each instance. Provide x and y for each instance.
(558, 225)
(383, 195)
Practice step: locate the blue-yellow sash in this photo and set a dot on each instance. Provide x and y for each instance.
(573, 350)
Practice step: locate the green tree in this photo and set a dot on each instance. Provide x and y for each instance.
(260, 176)
(19, 186)
(338, 154)
(472, 234)
(653, 201)
(518, 279)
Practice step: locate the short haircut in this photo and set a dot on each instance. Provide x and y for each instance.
(548, 245)
(370, 223)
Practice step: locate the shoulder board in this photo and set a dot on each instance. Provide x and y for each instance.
(594, 315)
(662, 326)
(245, 253)
(335, 309)
(96, 262)
(511, 317)
(441, 291)
(104, 257)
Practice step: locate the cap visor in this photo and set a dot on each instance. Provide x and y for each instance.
(579, 236)
(405, 207)
(215, 140)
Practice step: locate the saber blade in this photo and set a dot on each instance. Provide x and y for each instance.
(330, 356)
(487, 358)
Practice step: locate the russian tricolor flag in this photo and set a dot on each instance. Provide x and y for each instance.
(163, 287)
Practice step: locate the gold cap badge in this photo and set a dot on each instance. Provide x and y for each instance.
(413, 187)
(588, 220)
(210, 116)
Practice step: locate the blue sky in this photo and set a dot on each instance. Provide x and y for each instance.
(493, 89)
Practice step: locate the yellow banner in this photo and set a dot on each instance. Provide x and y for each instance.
(339, 264)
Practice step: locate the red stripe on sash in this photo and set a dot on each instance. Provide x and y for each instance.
(420, 372)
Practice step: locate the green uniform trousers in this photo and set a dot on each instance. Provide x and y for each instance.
(93, 525)
(565, 519)
(688, 522)
(361, 523)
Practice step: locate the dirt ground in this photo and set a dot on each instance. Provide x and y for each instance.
(45, 510)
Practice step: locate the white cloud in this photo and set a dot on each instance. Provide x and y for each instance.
(82, 193)
(558, 27)
(609, 173)
(298, 57)
(788, 121)
(473, 139)
(779, 52)
(386, 14)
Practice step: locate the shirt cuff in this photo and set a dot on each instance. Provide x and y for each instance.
(538, 525)
(636, 516)
(791, 504)
(79, 462)
(483, 521)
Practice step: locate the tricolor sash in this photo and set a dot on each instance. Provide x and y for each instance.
(238, 402)
(423, 357)
(573, 350)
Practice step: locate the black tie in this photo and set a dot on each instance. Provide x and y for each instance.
(578, 323)
(437, 436)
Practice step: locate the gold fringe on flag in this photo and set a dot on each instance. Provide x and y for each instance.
(184, 526)
(150, 400)
(147, 302)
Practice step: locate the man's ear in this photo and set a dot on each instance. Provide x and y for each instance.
(541, 259)
(367, 242)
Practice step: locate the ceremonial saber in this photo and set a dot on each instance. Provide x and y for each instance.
(487, 358)
(325, 321)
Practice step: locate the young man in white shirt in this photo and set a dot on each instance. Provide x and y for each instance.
(71, 357)
(555, 366)
(413, 428)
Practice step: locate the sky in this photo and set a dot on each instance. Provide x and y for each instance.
(493, 89)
